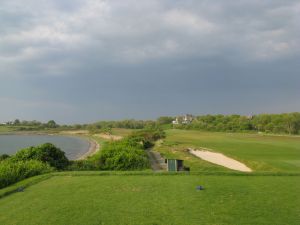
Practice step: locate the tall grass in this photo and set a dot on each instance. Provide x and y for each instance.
(12, 172)
(123, 155)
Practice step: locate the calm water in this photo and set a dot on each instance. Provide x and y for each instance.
(73, 147)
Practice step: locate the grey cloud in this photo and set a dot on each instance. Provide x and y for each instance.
(122, 58)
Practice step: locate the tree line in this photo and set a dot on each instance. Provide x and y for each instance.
(285, 123)
(31, 124)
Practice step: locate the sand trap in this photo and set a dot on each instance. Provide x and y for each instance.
(220, 159)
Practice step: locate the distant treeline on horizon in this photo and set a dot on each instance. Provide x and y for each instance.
(285, 123)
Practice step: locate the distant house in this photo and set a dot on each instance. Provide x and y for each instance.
(175, 122)
(6, 123)
(250, 117)
(186, 119)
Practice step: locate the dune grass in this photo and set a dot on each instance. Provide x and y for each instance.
(155, 199)
(122, 131)
(259, 152)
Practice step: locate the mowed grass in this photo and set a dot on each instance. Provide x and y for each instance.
(259, 152)
(155, 199)
(6, 129)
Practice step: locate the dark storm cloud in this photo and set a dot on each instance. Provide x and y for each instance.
(122, 59)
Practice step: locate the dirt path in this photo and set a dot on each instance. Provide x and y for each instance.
(156, 161)
(220, 159)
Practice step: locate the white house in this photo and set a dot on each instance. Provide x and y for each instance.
(186, 119)
(175, 122)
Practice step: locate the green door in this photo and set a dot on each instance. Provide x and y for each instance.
(172, 165)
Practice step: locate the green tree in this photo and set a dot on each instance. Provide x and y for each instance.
(51, 124)
(3, 157)
(17, 122)
(165, 120)
(291, 123)
(47, 153)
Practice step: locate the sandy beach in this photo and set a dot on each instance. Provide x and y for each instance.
(93, 148)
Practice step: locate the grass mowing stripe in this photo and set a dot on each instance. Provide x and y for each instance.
(151, 173)
(24, 184)
(125, 199)
(36, 179)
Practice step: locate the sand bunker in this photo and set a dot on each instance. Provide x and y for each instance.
(220, 159)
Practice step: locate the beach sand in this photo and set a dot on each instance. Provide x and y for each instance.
(93, 148)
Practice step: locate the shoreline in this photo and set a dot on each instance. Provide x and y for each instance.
(93, 148)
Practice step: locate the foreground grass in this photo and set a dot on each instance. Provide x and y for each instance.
(155, 199)
(259, 152)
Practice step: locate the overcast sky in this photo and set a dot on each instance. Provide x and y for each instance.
(79, 61)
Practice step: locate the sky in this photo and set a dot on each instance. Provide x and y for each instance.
(80, 61)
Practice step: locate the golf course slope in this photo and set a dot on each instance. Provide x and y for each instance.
(136, 199)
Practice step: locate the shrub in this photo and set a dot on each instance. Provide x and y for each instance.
(83, 165)
(3, 157)
(147, 137)
(46, 153)
(12, 171)
(123, 155)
